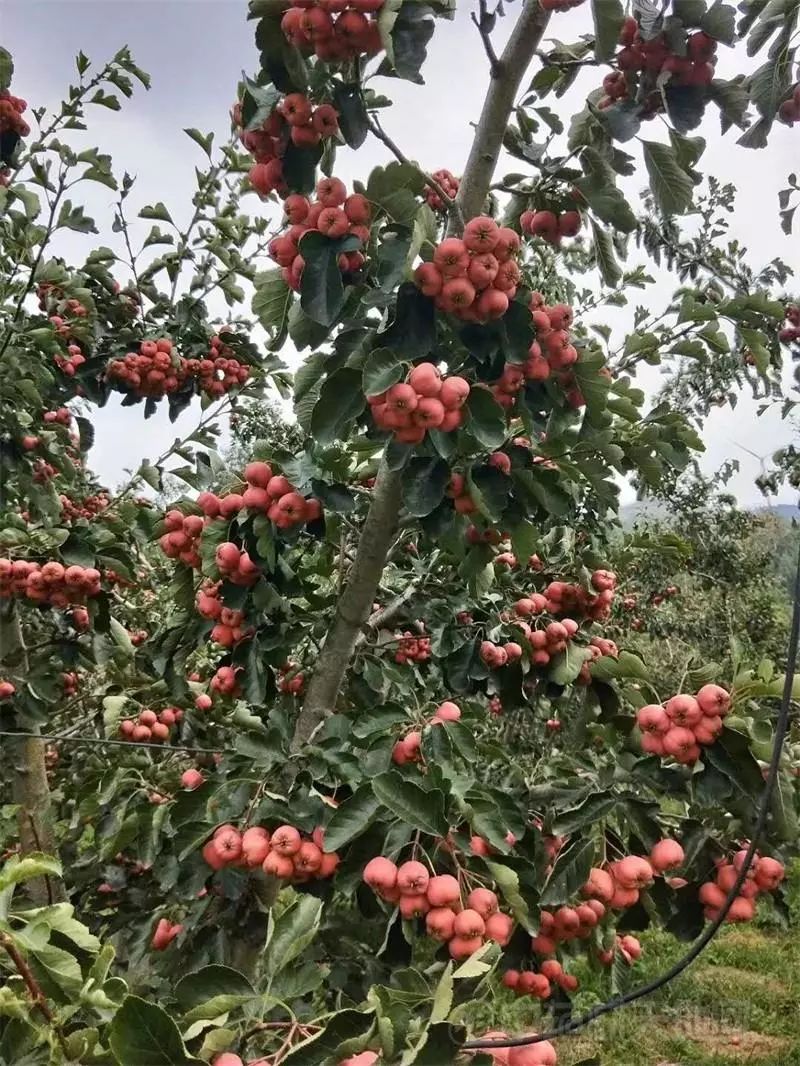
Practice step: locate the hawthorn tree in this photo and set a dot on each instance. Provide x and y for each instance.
(291, 778)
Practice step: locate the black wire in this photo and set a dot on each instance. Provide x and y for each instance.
(781, 731)
(125, 743)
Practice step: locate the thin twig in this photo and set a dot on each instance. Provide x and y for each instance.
(482, 23)
(452, 207)
(36, 994)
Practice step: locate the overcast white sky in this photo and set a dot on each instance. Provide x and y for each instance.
(195, 51)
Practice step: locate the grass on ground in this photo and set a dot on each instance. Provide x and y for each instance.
(738, 1004)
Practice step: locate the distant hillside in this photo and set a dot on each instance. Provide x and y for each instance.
(630, 512)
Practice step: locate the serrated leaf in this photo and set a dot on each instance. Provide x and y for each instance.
(671, 186)
(158, 212)
(607, 16)
(610, 270)
(292, 932)
(382, 369)
(351, 818)
(340, 401)
(424, 484)
(417, 806)
(203, 140)
(486, 420)
(570, 871)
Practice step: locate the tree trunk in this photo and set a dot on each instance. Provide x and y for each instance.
(30, 789)
(354, 606)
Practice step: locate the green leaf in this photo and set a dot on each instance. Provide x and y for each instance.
(53, 964)
(719, 22)
(424, 484)
(627, 665)
(351, 818)
(607, 16)
(204, 140)
(212, 991)
(420, 808)
(292, 932)
(443, 996)
(17, 870)
(566, 666)
(610, 270)
(486, 420)
(771, 83)
(382, 369)
(142, 1034)
(158, 212)
(394, 189)
(340, 401)
(6, 69)
(671, 186)
(592, 809)
(272, 301)
(508, 883)
(570, 871)
(353, 119)
(151, 474)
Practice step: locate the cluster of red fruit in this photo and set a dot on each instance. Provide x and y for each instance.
(438, 900)
(449, 184)
(425, 400)
(458, 492)
(764, 875)
(537, 984)
(229, 628)
(62, 327)
(182, 537)
(335, 215)
(150, 726)
(70, 683)
(51, 583)
(278, 498)
(283, 853)
(62, 416)
(563, 597)
(412, 648)
(165, 933)
(89, 507)
(12, 108)
(684, 724)
(290, 680)
(333, 30)
(789, 111)
(155, 371)
(550, 226)
(7, 690)
(70, 362)
(791, 331)
(474, 276)
(656, 58)
(408, 749)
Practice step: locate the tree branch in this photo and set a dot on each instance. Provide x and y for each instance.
(484, 23)
(352, 610)
(382, 520)
(34, 990)
(514, 61)
(389, 612)
(30, 789)
(450, 204)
